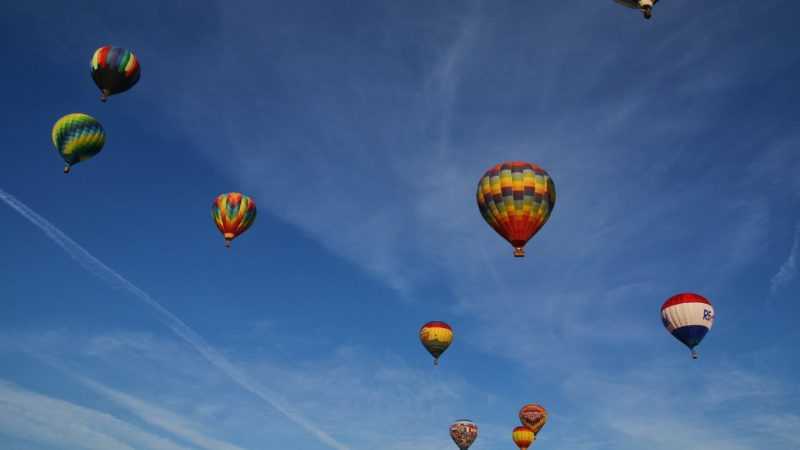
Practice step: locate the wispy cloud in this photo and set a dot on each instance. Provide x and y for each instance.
(664, 407)
(159, 417)
(446, 75)
(788, 271)
(363, 397)
(99, 269)
(782, 426)
(38, 418)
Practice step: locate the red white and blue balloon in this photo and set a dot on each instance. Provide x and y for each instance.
(688, 317)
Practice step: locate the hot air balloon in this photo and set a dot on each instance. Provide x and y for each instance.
(688, 317)
(233, 213)
(646, 6)
(77, 137)
(533, 416)
(114, 70)
(516, 199)
(523, 437)
(464, 432)
(436, 337)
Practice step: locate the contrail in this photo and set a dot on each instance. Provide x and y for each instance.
(117, 281)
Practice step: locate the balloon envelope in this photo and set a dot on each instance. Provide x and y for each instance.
(523, 437)
(233, 213)
(77, 137)
(114, 70)
(516, 199)
(688, 317)
(533, 416)
(436, 337)
(463, 432)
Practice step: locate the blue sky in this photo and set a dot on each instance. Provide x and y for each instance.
(361, 129)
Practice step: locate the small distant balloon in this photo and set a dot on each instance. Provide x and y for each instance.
(233, 213)
(77, 137)
(516, 199)
(463, 432)
(533, 416)
(646, 6)
(688, 317)
(436, 337)
(114, 70)
(523, 437)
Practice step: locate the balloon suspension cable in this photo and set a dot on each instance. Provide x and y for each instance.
(694, 354)
(435, 361)
(66, 168)
(104, 95)
(519, 252)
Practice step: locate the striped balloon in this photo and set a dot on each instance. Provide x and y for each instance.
(688, 317)
(533, 416)
(114, 70)
(233, 213)
(463, 432)
(77, 137)
(516, 199)
(436, 337)
(523, 437)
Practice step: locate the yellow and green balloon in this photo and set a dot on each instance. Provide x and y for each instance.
(77, 137)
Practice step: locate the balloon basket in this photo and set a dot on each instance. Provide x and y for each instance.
(66, 169)
(519, 252)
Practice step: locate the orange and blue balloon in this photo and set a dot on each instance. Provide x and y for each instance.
(688, 317)
(463, 432)
(233, 213)
(436, 337)
(114, 70)
(516, 199)
(77, 137)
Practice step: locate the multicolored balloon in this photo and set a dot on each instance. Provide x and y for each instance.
(436, 337)
(77, 137)
(516, 199)
(688, 317)
(523, 437)
(464, 432)
(233, 213)
(114, 70)
(533, 416)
